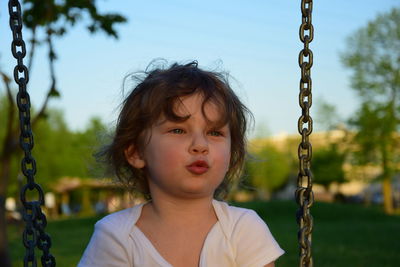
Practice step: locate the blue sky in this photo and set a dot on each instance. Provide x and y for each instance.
(256, 41)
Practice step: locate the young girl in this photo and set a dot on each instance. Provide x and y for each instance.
(180, 140)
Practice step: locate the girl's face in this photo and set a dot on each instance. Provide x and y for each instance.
(186, 159)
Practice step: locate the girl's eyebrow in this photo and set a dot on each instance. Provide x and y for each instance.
(219, 123)
(165, 121)
(160, 122)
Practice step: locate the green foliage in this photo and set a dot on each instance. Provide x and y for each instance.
(373, 54)
(374, 126)
(269, 169)
(327, 165)
(57, 14)
(60, 152)
(326, 116)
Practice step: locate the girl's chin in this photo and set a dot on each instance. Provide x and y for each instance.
(197, 192)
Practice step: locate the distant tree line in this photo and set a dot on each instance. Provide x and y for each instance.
(60, 151)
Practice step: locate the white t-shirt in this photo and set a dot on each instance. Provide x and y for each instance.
(239, 238)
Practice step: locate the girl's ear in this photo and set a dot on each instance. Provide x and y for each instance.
(133, 157)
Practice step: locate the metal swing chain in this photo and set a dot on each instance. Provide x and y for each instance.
(304, 194)
(34, 234)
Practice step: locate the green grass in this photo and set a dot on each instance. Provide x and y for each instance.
(69, 238)
(343, 235)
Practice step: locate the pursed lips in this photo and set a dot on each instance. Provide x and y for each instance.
(198, 167)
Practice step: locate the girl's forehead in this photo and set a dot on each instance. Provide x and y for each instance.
(194, 106)
(197, 105)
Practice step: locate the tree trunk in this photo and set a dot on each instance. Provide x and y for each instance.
(387, 195)
(10, 145)
(4, 176)
(387, 181)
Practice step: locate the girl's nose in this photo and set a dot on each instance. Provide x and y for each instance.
(199, 145)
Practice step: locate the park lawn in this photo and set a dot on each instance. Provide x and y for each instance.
(343, 235)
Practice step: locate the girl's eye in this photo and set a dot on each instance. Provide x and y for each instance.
(177, 131)
(215, 133)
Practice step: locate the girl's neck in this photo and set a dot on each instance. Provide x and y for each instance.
(181, 211)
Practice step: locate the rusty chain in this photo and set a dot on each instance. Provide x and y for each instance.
(34, 234)
(304, 194)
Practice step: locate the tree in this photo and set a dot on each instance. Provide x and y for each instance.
(62, 152)
(373, 55)
(268, 170)
(327, 116)
(328, 166)
(45, 20)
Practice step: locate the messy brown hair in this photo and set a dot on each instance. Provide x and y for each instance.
(155, 95)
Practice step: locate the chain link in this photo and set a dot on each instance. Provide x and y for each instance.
(34, 234)
(304, 194)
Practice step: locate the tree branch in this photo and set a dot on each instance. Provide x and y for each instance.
(33, 42)
(11, 102)
(10, 141)
(52, 90)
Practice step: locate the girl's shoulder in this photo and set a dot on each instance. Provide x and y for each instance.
(227, 211)
(247, 233)
(122, 221)
(234, 218)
